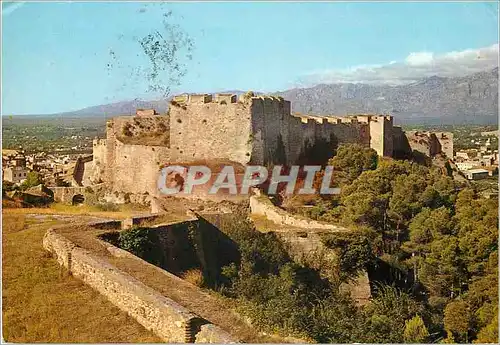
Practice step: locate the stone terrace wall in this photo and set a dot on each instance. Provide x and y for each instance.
(305, 245)
(261, 205)
(169, 320)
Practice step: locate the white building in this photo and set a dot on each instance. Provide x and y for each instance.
(463, 166)
(476, 174)
(462, 154)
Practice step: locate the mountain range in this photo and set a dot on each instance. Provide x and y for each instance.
(453, 100)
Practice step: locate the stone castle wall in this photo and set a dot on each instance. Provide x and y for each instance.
(210, 130)
(381, 135)
(129, 167)
(445, 139)
(249, 130)
(431, 143)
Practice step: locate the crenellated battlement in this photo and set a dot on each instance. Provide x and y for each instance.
(245, 129)
(224, 98)
(99, 142)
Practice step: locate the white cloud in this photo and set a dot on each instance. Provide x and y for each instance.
(416, 66)
(420, 59)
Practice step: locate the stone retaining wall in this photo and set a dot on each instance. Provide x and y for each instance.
(261, 205)
(166, 318)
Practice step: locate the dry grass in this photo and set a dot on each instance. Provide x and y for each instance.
(194, 276)
(42, 303)
(125, 211)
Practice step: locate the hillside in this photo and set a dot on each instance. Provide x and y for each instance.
(469, 99)
(473, 99)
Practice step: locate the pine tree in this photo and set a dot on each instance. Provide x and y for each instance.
(415, 330)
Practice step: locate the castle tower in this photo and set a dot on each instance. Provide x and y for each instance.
(381, 135)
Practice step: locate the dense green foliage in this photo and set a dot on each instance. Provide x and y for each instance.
(33, 179)
(438, 237)
(441, 235)
(142, 242)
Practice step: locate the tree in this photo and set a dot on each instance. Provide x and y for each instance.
(489, 333)
(477, 224)
(354, 251)
(351, 160)
(415, 330)
(32, 179)
(387, 313)
(457, 319)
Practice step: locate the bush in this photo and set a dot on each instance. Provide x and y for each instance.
(108, 207)
(142, 243)
(194, 276)
(126, 130)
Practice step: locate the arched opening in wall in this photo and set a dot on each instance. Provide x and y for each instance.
(77, 199)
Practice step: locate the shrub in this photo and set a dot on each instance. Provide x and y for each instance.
(89, 190)
(194, 276)
(108, 207)
(126, 130)
(142, 243)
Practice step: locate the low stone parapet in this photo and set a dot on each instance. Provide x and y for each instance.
(261, 205)
(157, 313)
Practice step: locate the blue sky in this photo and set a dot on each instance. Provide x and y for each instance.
(55, 55)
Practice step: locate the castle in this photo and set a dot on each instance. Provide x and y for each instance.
(256, 130)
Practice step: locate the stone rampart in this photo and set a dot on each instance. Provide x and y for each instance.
(303, 238)
(206, 130)
(261, 205)
(166, 318)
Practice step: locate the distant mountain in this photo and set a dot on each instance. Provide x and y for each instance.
(469, 99)
(118, 108)
(472, 99)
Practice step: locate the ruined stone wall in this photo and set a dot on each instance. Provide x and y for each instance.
(87, 173)
(80, 168)
(261, 205)
(445, 139)
(166, 318)
(419, 142)
(99, 161)
(428, 143)
(133, 168)
(202, 129)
